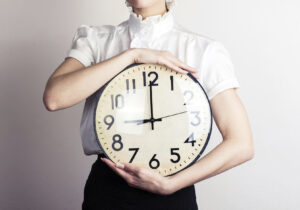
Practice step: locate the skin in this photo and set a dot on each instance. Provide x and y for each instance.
(227, 109)
(147, 8)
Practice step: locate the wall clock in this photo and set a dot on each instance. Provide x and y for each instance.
(154, 117)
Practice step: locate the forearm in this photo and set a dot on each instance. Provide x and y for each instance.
(69, 89)
(225, 156)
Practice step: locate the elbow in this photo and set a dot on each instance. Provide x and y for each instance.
(247, 151)
(244, 151)
(249, 154)
(49, 103)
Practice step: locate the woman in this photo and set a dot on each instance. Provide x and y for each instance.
(150, 35)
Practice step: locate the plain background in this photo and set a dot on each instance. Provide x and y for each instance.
(42, 164)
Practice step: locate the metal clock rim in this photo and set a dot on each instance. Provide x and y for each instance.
(100, 91)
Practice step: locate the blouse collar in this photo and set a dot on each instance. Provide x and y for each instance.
(153, 26)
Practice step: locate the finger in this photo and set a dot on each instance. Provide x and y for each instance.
(122, 166)
(182, 65)
(109, 163)
(117, 170)
(189, 68)
(196, 75)
(131, 168)
(173, 66)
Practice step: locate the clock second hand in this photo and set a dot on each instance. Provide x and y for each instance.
(159, 119)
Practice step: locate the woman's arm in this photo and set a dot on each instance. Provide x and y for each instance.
(237, 145)
(72, 82)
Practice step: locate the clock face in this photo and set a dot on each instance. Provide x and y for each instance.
(154, 117)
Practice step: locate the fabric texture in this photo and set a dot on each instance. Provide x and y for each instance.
(94, 44)
(106, 190)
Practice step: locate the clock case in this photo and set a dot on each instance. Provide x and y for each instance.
(99, 93)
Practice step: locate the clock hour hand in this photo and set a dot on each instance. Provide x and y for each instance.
(148, 120)
(134, 121)
(139, 122)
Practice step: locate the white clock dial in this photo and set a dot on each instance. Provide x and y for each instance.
(154, 117)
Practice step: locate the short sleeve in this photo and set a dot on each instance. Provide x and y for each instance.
(83, 45)
(217, 70)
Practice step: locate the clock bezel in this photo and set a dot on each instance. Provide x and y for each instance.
(100, 91)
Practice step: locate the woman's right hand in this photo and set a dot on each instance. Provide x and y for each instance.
(162, 57)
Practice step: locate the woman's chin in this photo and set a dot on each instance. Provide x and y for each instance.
(140, 4)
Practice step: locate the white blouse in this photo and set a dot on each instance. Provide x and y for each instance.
(93, 44)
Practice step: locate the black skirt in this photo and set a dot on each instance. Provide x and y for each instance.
(106, 190)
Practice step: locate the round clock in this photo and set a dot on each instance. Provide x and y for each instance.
(154, 117)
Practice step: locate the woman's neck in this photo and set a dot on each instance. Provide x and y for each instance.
(157, 9)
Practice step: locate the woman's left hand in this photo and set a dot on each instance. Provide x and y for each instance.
(142, 178)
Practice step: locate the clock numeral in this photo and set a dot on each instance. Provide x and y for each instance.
(109, 120)
(117, 101)
(128, 86)
(176, 154)
(190, 139)
(155, 161)
(188, 96)
(135, 151)
(154, 79)
(196, 121)
(117, 141)
(172, 83)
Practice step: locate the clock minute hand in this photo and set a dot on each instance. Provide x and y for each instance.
(151, 106)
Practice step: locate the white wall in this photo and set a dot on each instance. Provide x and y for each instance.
(42, 165)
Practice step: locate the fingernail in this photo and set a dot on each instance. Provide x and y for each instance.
(119, 165)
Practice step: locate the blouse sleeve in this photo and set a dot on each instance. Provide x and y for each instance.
(217, 72)
(83, 45)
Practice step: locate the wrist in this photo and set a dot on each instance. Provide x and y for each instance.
(171, 185)
(133, 54)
